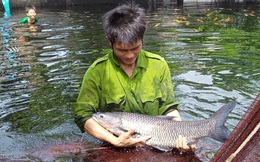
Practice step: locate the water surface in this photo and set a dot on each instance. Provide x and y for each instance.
(212, 51)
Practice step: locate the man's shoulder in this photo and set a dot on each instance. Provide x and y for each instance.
(24, 20)
(151, 55)
(100, 61)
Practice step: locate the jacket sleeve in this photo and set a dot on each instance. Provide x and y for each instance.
(168, 99)
(88, 98)
(24, 20)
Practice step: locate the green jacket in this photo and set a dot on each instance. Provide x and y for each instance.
(25, 20)
(106, 87)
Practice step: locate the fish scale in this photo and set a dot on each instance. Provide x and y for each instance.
(155, 126)
(162, 130)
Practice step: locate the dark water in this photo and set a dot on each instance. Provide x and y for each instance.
(213, 53)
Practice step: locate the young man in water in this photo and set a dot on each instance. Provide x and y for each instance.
(31, 15)
(126, 79)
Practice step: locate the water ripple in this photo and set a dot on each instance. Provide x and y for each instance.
(41, 70)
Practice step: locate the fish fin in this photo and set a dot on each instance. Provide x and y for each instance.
(192, 142)
(117, 131)
(136, 135)
(166, 117)
(165, 149)
(221, 132)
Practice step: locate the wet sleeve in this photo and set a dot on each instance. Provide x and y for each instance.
(168, 99)
(24, 20)
(88, 98)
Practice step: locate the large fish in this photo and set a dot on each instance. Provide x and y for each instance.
(163, 131)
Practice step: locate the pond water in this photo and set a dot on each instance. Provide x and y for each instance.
(213, 53)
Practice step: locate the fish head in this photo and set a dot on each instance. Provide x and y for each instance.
(107, 120)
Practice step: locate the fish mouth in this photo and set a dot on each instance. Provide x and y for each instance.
(94, 116)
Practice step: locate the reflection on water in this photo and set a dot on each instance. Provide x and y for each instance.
(213, 54)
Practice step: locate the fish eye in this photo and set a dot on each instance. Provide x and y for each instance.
(101, 116)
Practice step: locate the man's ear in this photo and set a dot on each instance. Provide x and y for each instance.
(109, 40)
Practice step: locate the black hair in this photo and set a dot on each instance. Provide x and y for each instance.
(125, 24)
(29, 7)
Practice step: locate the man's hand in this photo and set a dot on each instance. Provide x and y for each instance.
(181, 144)
(175, 114)
(126, 139)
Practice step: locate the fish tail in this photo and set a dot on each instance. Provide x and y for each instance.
(221, 132)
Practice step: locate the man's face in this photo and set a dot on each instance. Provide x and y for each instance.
(127, 54)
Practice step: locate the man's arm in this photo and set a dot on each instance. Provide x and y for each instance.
(176, 115)
(181, 142)
(124, 140)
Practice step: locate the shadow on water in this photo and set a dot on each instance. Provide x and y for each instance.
(81, 152)
(213, 53)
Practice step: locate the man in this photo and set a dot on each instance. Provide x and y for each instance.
(127, 79)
